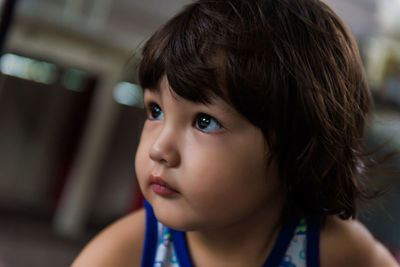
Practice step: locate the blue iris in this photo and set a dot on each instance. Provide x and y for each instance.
(203, 122)
(206, 123)
(156, 112)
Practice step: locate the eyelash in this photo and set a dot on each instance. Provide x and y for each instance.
(154, 112)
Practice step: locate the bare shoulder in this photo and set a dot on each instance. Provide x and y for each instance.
(349, 243)
(120, 244)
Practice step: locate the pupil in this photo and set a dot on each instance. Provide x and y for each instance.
(156, 112)
(204, 122)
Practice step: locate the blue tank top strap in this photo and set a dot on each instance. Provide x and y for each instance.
(275, 258)
(150, 242)
(180, 245)
(312, 248)
(281, 245)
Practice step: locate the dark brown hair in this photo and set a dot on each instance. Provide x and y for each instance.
(291, 68)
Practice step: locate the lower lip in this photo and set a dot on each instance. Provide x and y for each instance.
(162, 190)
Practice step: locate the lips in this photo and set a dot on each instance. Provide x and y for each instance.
(161, 187)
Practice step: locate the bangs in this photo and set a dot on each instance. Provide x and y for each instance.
(292, 69)
(186, 50)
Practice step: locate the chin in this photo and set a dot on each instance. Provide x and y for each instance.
(177, 222)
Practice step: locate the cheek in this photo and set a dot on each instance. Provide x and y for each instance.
(228, 177)
(228, 192)
(141, 160)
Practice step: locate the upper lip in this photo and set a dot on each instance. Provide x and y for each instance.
(154, 179)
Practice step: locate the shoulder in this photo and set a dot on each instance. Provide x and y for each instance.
(349, 243)
(120, 244)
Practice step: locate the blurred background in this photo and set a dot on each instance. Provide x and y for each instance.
(71, 114)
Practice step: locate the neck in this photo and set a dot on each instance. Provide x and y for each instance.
(253, 237)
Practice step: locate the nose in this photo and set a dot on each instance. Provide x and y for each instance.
(165, 148)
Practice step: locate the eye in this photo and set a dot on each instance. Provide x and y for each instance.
(156, 112)
(206, 123)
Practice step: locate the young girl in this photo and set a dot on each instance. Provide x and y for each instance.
(252, 152)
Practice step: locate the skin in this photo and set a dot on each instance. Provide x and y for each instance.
(220, 191)
(228, 202)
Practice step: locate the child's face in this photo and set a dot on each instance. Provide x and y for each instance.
(211, 158)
